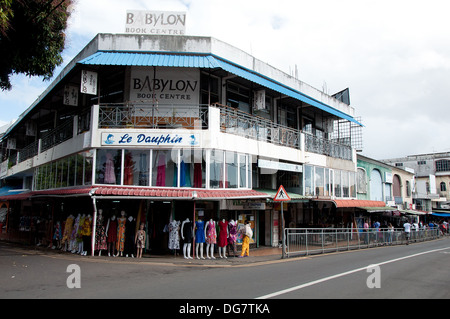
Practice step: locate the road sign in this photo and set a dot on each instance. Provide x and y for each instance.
(281, 195)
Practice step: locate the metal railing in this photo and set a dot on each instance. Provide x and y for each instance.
(326, 147)
(158, 116)
(307, 241)
(235, 121)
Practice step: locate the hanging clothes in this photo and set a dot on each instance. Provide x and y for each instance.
(174, 234)
(130, 232)
(120, 234)
(112, 231)
(211, 236)
(110, 176)
(223, 226)
(100, 235)
(199, 232)
(161, 170)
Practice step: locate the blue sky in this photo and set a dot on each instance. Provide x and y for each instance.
(393, 55)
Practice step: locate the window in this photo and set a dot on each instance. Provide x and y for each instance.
(442, 165)
(408, 188)
(421, 162)
(361, 181)
(443, 187)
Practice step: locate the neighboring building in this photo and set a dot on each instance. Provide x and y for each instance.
(378, 181)
(432, 179)
(175, 127)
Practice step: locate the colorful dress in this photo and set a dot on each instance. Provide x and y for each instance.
(121, 234)
(174, 234)
(232, 233)
(211, 236)
(200, 232)
(140, 243)
(100, 235)
(67, 229)
(223, 226)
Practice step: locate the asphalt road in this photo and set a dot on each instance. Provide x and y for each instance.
(400, 272)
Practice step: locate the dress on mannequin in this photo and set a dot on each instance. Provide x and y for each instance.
(112, 235)
(211, 238)
(130, 233)
(174, 234)
(121, 234)
(223, 233)
(186, 233)
(100, 233)
(199, 238)
(232, 237)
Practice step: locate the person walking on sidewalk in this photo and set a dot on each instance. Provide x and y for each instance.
(247, 233)
(407, 227)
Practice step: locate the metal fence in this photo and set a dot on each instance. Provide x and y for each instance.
(307, 241)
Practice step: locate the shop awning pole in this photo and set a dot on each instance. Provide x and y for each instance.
(94, 224)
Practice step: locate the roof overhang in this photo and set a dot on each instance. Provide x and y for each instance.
(209, 61)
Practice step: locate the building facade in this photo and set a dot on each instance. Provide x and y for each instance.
(170, 128)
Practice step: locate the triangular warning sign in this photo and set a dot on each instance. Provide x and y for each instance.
(281, 195)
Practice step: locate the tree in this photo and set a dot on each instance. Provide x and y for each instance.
(32, 37)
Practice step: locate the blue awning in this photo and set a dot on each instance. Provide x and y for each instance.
(206, 61)
(441, 214)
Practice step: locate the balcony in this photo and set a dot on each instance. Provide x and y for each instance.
(232, 121)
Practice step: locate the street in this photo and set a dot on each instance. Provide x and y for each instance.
(415, 271)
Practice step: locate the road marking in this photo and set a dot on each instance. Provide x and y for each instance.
(308, 284)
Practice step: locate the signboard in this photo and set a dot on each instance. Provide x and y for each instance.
(70, 95)
(280, 166)
(150, 139)
(171, 86)
(281, 195)
(88, 82)
(155, 22)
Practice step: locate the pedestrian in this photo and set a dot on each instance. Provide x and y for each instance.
(390, 233)
(407, 228)
(247, 234)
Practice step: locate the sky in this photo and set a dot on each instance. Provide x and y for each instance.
(394, 56)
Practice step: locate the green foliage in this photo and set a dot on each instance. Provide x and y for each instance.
(31, 37)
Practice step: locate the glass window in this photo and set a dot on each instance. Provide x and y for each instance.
(164, 168)
(231, 170)
(345, 184)
(352, 184)
(309, 191)
(136, 167)
(319, 178)
(337, 183)
(242, 171)
(108, 166)
(216, 168)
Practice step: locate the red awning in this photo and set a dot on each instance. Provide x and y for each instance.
(147, 192)
(358, 203)
(176, 193)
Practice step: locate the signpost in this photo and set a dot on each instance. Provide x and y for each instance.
(282, 196)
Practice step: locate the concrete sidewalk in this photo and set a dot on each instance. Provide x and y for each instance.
(257, 255)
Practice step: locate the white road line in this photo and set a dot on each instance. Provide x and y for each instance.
(285, 291)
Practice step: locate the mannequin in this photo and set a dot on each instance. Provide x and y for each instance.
(65, 241)
(100, 234)
(87, 234)
(186, 235)
(199, 238)
(79, 236)
(232, 236)
(57, 236)
(174, 236)
(73, 235)
(140, 240)
(210, 234)
(130, 230)
(121, 233)
(111, 231)
(223, 235)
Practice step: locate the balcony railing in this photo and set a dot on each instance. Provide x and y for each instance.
(326, 147)
(240, 123)
(153, 116)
